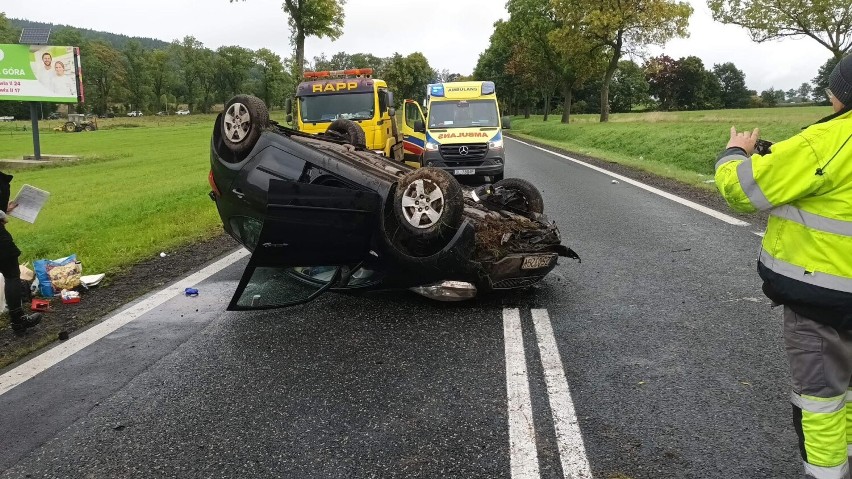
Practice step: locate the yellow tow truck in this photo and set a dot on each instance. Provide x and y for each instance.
(352, 95)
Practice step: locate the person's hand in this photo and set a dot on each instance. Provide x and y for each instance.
(744, 140)
(11, 207)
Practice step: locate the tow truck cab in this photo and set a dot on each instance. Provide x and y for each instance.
(461, 132)
(352, 95)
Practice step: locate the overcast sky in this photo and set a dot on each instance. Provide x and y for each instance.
(451, 33)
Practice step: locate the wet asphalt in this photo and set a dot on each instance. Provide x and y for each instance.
(673, 357)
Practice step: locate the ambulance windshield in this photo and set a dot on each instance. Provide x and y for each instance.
(463, 114)
(327, 108)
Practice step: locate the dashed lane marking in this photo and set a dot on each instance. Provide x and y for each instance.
(523, 455)
(572, 451)
(691, 204)
(51, 357)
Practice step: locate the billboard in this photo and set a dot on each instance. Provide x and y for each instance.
(40, 73)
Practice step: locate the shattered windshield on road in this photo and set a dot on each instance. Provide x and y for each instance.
(327, 108)
(463, 114)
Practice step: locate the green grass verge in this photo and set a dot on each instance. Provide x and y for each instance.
(139, 188)
(679, 145)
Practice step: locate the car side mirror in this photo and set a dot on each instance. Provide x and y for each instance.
(391, 112)
(419, 127)
(289, 118)
(507, 122)
(288, 106)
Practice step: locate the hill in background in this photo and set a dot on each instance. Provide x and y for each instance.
(116, 40)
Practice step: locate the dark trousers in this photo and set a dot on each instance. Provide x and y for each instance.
(12, 281)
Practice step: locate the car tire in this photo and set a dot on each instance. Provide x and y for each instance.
(424, 190)
(70, 127)
(529, 199)
(349, 130)
(244, 118)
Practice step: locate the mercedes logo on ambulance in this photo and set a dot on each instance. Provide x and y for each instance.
(463, 150)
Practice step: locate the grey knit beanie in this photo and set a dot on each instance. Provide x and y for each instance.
(840, 81)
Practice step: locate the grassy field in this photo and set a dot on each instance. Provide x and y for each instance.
(140, 188)
(680, 145)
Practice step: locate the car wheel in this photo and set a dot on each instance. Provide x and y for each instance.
(429, 204)
(349, 130)
(70, 127)
(523, 196)
(244, 118)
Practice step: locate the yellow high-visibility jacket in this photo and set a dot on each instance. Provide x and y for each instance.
(806, 184)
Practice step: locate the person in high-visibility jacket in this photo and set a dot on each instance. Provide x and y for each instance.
(805, 182)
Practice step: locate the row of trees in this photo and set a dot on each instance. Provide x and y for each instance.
(572, 51)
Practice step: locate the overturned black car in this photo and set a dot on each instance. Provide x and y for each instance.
(323, 213)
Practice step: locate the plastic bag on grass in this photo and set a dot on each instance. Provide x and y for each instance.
(44, 267)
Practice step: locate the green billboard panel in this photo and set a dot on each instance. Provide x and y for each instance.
(40, 73)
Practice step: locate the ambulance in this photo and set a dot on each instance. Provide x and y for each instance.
(461, 131)
(353, 95)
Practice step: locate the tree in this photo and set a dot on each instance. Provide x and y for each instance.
(791, 94)
(769, 98)
(208, 79)
(344, 61)
(697, 89)
(232, 69)
(272, 80)
(8, 34)
(629, 87)
(491, 65)
(558, 41)
(137, 73)
(622, 25)
(188, 54)
(104, 73)
(734, 92)
(160, 76)
(408, 76)
(820, 82)
(68, 36)
(828, 22)
(312, 18)
(662, 77)
(805, 91)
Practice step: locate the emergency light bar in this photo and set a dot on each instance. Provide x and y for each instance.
(366, 72)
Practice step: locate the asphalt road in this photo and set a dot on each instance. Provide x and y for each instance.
(670, 356)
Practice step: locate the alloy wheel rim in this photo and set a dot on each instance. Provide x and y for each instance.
(237, 122)
(423, 203)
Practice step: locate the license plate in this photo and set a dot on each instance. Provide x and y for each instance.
(464, 172)
(536, 262)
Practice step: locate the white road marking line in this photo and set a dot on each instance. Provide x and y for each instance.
(51, 357)
(703, 209)
(523, 454)
(572, 452)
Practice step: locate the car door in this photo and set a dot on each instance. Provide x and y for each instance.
(413, 130)
(310, 233)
